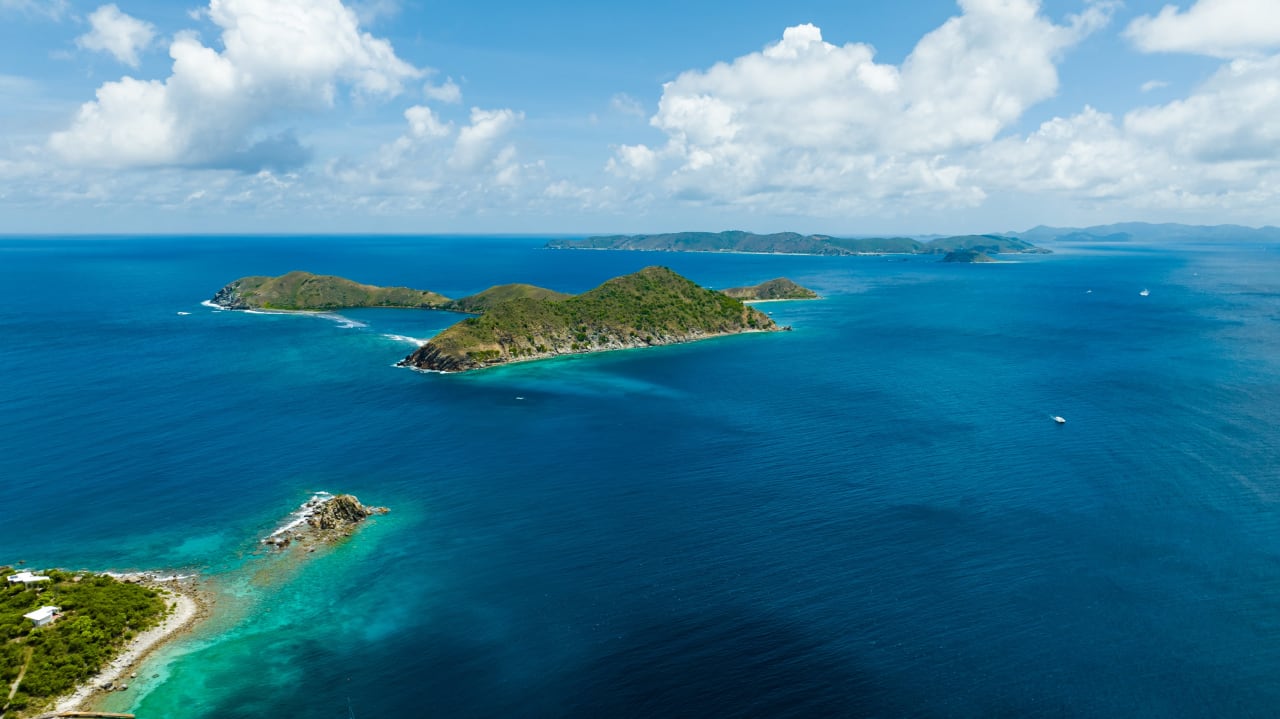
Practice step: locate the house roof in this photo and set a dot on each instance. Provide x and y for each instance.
(26, 577)
(41, 614)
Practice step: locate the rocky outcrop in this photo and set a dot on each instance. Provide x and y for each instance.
(323, 518)
(229, 297)
(967, 256)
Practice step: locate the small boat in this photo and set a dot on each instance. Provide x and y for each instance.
(1145, 292)
(1059, 420)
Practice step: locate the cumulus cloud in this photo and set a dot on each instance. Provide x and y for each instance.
(477, 142)
(118, 34)
(1219, 146)
(447, 92)
(1219, 28)
(278, 58)
(808, 118)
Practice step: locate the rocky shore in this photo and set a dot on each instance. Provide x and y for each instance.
(323, 519)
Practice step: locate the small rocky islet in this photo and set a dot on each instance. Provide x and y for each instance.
(519, 322)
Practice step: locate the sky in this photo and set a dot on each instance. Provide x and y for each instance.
(491, 116)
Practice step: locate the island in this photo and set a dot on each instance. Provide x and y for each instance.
(967, 256)
(797, 244)
(654, 306)
(305, 291)
(777, 289)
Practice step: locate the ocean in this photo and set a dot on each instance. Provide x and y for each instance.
(871, 515)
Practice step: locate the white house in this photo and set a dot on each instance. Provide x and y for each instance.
(43, 615)
(27, 578)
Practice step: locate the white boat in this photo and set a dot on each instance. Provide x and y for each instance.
(1059, 420)
(1145, 292)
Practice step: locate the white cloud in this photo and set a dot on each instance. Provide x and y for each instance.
(1220, 28)
(624, 104)
(1218, 147)
(423, 123)
(806, 123)
(118, 34)
(279, 58)
(476, 143)
(1150, 85)
(51, 9)
(447, 91)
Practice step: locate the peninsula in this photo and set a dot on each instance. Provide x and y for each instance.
(967, 257)
(58, 629)
(654, 306)
(797, 244)
(779, 289)
(304, 291)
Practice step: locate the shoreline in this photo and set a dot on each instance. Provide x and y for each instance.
(187, 609)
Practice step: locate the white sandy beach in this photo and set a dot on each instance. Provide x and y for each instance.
(186, 609)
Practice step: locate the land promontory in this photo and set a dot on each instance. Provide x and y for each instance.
(777, 289)
(654, 306)
(481, 302)
(967, 257)
(796, 244)
(305, 291)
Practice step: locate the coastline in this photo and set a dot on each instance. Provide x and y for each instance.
(187, 609)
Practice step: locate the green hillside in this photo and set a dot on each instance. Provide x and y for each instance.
(305, 291)
(483, 301)
(654, 306)
(98, 615)
(779, 289)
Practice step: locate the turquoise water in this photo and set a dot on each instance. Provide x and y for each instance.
(870, 515)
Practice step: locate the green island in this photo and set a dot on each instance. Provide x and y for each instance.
(305, 291)
(654, 306)
(968, 256)
(777, 289)
(519, 322)
(93, 617)
(797, 244)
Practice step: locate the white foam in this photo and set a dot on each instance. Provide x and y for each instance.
(345, 323)
(299, 516)
(210, 304)
(405, 338)
(183, 314)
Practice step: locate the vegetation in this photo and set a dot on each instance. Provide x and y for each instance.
(967, 256)
(98, 615)
(779, 289)
(652, 306)
(305, 291)
(792, 243)
(483, 301)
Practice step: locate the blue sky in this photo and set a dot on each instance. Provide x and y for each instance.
(557, 117)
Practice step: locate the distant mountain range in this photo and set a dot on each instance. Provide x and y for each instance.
(1148, 232)
(797, 244)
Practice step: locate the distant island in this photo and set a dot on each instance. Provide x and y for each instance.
(779, 289)
(654, 306)
(796, 244)
(1167, 233)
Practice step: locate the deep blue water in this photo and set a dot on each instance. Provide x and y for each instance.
(872, 515)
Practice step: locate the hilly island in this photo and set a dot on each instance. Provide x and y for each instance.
(797, 244)
(515, 323)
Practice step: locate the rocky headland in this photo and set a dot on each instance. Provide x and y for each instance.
(967, 256)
